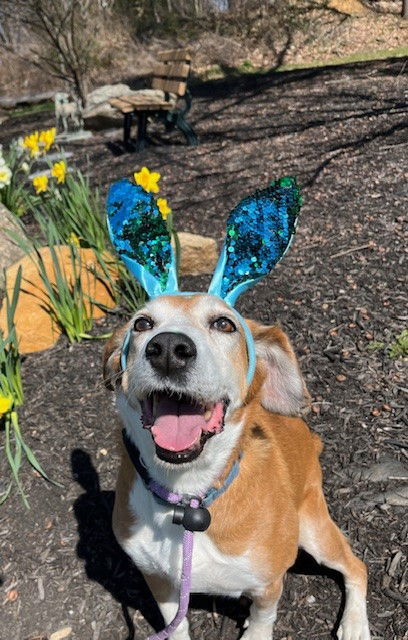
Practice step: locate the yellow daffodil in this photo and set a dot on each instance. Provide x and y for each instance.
(73, 239)
(47, 138)
(31, 143)
(6, 402)
(147, 180)
(40, 184)
(58, 171)
(163, 207)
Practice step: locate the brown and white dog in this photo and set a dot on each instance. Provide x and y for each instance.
(186, 371)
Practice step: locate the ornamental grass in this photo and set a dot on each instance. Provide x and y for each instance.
(11, 399)
(74, 208)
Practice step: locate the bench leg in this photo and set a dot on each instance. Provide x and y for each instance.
(187, 130)
(127, 126)
(141, 130)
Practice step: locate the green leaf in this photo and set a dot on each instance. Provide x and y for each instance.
(28, 452)
(5, 495)
(13, 463)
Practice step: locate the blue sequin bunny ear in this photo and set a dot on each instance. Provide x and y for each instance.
(139, 235)
(259, 232)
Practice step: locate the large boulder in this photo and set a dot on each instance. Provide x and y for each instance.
(199, 254)
(9, 250)
(36, 328)
(99, 114)
(348, 7)
(11, 102)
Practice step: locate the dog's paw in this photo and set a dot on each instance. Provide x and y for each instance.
(258, 632)
(353, 626)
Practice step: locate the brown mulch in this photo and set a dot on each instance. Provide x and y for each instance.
(343, 132)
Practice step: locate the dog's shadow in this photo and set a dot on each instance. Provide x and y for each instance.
(107, 564)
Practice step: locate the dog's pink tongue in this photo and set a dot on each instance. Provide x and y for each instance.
(178, 425)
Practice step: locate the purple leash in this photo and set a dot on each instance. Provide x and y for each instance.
(189, 511)
(185, 584)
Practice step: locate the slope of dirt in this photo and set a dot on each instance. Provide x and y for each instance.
(343, 132)
(315, 33)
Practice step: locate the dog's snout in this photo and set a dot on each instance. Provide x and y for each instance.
(170, 352)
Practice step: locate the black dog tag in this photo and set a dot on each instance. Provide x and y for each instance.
(192, 519)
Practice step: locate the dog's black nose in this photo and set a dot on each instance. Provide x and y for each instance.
(170, 352)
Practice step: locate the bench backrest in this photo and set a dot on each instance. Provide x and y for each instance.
(171, 73)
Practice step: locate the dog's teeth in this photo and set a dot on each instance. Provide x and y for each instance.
(207, 414)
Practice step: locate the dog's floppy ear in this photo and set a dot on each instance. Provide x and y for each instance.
(283, 389)
(111, 358)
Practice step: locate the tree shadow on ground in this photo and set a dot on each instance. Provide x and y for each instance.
(258, 108)
(107, 564)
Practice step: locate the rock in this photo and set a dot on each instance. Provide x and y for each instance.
(106, 91)
(61, 633)
(36, 330)
(9, 251)
(100, 115)
(199, 254)
(382, 471)
(348, 7)
(10, 102)
(394, 497)
(386, 471)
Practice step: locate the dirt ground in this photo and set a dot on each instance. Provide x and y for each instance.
(343, 133)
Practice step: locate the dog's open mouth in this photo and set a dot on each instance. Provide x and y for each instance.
(180, 425)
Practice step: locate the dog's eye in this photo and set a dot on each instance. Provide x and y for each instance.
(143, 324)
(223, 324)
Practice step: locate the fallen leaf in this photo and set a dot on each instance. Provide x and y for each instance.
(12, 595)
(61, 633)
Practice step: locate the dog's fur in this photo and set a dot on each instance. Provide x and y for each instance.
(272, 508)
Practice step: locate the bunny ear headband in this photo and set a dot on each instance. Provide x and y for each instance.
(259, 232)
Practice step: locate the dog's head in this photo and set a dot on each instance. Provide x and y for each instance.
(185, 381)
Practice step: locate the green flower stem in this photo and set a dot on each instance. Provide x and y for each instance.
(14, 460)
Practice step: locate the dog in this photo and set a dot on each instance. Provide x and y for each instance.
(67, 112)
(185, 403)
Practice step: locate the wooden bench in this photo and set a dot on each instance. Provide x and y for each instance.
(168, 88)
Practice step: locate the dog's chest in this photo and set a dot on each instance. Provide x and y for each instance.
(156, 548)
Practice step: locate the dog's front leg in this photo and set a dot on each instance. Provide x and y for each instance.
(263, 612)
(167, 599)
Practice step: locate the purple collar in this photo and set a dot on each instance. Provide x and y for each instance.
(180, 501)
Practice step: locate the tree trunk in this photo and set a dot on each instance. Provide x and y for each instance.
(81, 88)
